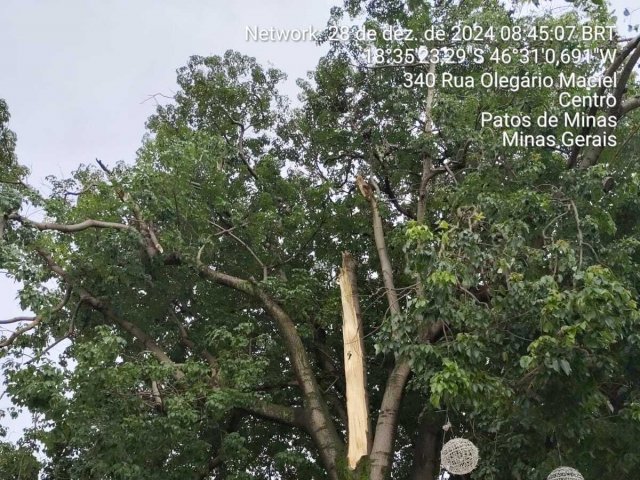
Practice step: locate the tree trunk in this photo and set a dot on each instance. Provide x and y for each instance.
(383, 443)
(425, 451)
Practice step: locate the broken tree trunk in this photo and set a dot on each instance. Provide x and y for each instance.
(359, 444)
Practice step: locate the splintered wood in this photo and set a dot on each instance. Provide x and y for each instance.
(354, 364)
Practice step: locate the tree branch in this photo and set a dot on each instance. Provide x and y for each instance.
(427, 168)
(109, 315)
(289, 416)
(629, 105)
(144, 228)
(385, 434)
(33, 321)
(187, 342)
(631, 54)
(319, 421)
(243, 157)
(16, 320)
(386, 188)
(73, 228)
(228, 232)
(70, 331)
(368, 193)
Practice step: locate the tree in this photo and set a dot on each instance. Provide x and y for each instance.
(196, 288)
(17, 463)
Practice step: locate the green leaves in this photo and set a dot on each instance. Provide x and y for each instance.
(18, 463)
(522, 274)
(448, 383)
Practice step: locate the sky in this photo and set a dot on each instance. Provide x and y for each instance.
(78, 74)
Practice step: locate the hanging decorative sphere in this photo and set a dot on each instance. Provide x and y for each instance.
(460, 456)
(565, 473)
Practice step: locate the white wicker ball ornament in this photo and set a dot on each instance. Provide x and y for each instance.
(565, 473)
(459, 456)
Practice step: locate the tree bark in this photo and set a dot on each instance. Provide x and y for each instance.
(425, 451)
(592, 154)
(382, 451)
(385, 432)
(318, 419)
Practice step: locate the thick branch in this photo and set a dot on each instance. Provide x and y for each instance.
(98, 305)
(629, 105)
(368, 192)
(630, 54)
(88, 224)
(382, 450)
(16, 320)
(359, 430)
(73, 228)
(319, 420)
(623, 79)
(289, 416)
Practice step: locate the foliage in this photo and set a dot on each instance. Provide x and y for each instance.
(17, 463)
(199, 312)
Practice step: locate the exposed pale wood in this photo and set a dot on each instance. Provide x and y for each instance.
(359, 443)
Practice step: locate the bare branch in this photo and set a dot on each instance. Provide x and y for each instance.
(74, 228)
(154, 97)
(427, 167)
(453, 177)
(241, 242)
(368, 192)
(104, 167)
(16, 320)
(34, 321)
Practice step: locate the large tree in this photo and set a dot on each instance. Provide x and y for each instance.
(195, 295)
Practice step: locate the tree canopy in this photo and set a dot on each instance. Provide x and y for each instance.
(194, 291)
